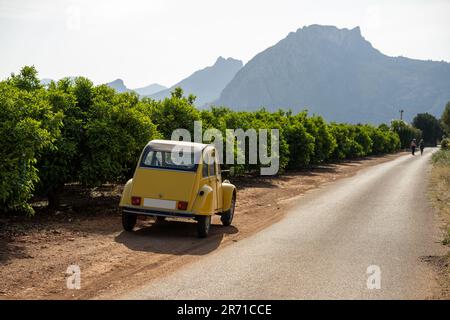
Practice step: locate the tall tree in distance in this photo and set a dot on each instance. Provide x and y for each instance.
(445, 119)
(26, 79)
(431, 129)
(405, 132)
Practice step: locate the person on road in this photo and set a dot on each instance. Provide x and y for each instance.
(421, 146)
(413, 146)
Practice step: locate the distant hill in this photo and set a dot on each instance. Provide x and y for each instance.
(46, 81)
(336, 73)
(207, 83)
(118, 85)
(150, 89)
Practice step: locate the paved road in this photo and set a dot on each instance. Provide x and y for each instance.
(323, 247)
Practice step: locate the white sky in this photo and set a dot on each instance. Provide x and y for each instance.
(146, 41)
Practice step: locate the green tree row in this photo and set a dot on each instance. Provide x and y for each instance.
(72, 131)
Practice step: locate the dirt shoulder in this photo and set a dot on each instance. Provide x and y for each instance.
(439, 195)
(35, 252)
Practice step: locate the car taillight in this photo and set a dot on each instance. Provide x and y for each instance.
(182, 205)
(136, 201)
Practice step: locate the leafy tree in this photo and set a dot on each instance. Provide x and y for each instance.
(191, 99)
(445, 144)
(405, 132)
(379, 138)
(324, 142)
(27, 126)
(362, 137)
(383, 139)
(262, 119)
(116, 132)
(445, 119)
(341, 134)
(83, 91)
(26, 79)
(346, 145)
(173, 113)
(430, 127)
(177, 93)
(60, 163)
(301, 144)
(102, 136)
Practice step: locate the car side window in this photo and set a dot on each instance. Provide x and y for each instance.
(153, 159)
(219, 171)
(205, 166)
(212, 169)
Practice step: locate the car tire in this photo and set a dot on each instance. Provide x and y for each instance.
(227, 216)
(160, 219)
(128, 221)
(203, 226)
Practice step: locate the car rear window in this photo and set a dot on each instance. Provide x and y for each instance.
(162, 159)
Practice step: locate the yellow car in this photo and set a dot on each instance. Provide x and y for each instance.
(181, 180)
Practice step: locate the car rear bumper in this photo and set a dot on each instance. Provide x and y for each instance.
(159, 213)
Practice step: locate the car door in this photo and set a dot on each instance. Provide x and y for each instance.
(209, 177)
(218, 185)
(212, 181)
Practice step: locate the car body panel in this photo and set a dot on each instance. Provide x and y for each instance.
(125, 199)
(164, 184)
(228, 191)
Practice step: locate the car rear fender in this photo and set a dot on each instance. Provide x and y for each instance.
(204, 201)
(125, 200)
(228, 190)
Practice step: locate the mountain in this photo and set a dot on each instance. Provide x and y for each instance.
(207, 83)
(47, 81)
(150, 89)
(118, 85)
(338, 74)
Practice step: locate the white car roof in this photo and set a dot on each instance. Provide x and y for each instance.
(168, 145)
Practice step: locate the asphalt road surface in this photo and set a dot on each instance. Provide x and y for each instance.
(375, 227)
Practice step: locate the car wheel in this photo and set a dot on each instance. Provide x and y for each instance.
(203, 225)
(128, 221)
(160, 219)
(227, 216)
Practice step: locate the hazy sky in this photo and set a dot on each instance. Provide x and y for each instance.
(146, 41)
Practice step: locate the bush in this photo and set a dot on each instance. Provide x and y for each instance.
(173, 113)
(445, 144)
(358, 140)
(445, 119)
(301, 144)
(60, 162)
(341, 134)
(102, 136)
(362, 137)
(405, 132)
(116, 132)
(442, 157)
(324, 141)
(383, 139)
(28, 125)
(380, 140)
